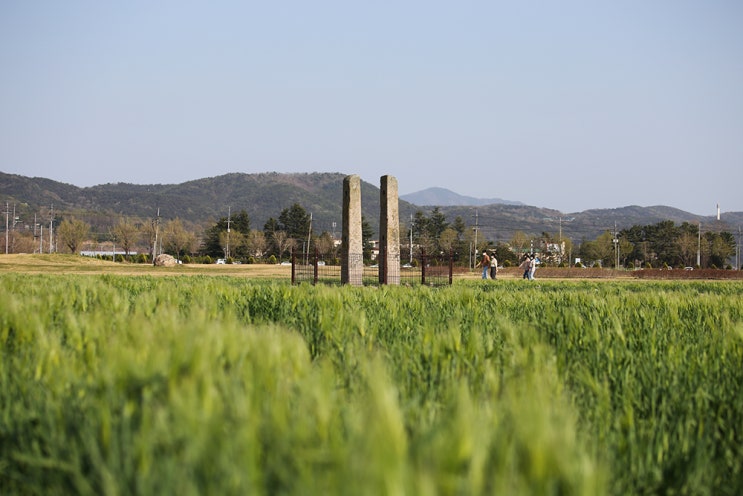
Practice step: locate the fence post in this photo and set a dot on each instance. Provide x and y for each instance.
(314, 281)
(294, 265)
(423, 267)
(451, 267)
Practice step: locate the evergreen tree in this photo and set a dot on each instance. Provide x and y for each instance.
(436, 224)
(459, 226)
(295, 221)
(271, 226)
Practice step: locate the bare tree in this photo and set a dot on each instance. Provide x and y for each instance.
(176, 237)
(256, 243)
(23, 242)
(72, 233)
(567, 250)
(148, 235)
(448, 239)
(125, 234)
(282, 241)
(688, 244)
(325, 244)
(519, 242)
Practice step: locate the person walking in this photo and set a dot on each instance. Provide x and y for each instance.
(484, 263)
(526, 266)
(534, 262)
(493, 265)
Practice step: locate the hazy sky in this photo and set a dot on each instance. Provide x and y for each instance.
(562, 104)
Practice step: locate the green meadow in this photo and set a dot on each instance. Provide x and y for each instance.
(123, 385)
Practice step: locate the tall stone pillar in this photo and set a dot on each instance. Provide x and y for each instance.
(352, 257)
(389, 232)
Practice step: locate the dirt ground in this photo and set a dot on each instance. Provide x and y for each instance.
(74, 264)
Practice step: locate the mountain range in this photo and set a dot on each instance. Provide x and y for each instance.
(443, 197)
(204, 201)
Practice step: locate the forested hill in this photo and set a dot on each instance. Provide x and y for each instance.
(262, 195)
(499, 222)
(265, 195)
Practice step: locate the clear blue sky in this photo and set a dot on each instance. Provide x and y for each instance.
(562, 104)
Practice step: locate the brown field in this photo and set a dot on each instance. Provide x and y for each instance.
(73, 264)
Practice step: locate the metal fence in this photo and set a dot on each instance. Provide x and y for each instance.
(427, 270)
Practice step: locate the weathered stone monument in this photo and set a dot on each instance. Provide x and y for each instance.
(165, 260)
(389, 231)
(352, 258)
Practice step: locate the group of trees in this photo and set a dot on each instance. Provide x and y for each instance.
(665, 243)
(232, 237)
(658, 245)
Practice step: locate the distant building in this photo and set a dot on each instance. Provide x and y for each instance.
(105, 253)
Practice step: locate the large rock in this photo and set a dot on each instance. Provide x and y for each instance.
(165, 261)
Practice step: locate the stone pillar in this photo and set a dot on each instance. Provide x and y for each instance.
(389, 231)
(352, 257)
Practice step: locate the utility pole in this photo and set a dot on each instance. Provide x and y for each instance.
(411, 240)
(477, 227)
(615, 240)
(157, 227)
(309, 238)
(229, 217)
(699, 246)
(35, 225)
(7, 213)
(51, 229)
(560, 241)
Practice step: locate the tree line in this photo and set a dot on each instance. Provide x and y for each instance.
(663, 244)
(233, 238)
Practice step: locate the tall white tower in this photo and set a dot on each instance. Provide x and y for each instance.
(718, 211)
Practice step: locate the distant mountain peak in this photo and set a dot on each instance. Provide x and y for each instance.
(443, 197)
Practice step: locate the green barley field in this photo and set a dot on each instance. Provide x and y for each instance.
(139, 385)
